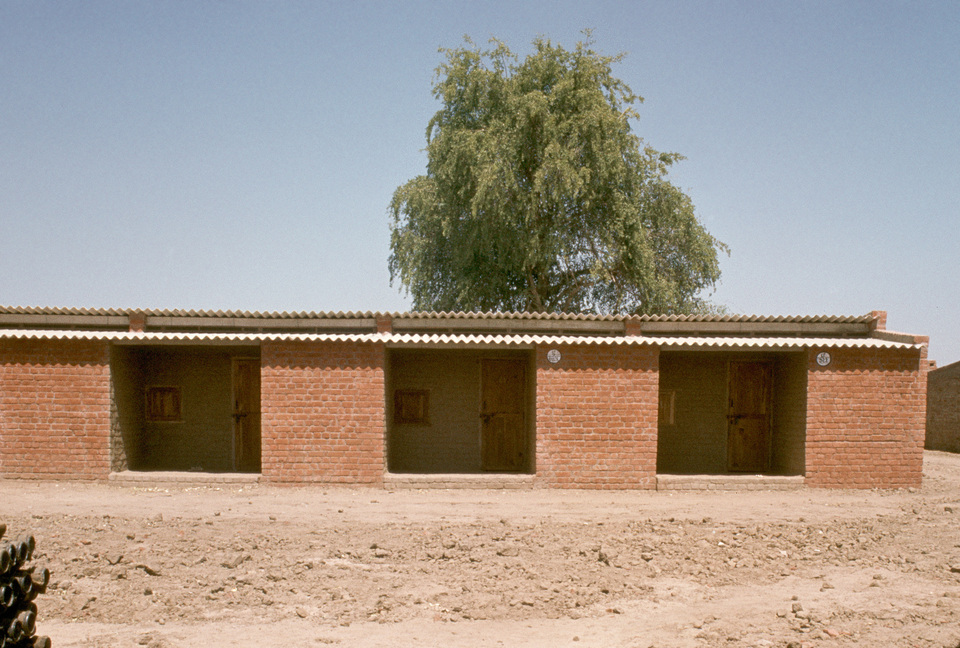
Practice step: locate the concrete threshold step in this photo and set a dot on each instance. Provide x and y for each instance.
(397, 481)
(729, 482)
(180, 478)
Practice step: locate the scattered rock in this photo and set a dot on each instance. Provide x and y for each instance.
(149, 570)
(235, 561)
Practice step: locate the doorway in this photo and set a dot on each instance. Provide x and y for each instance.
(732, 412)
(246, 415)
(502, 414)
(460, 411)
(185, 408)
(748, 416)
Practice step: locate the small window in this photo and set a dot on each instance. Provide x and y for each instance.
(411, 406)
(668, 401)
(163, 403)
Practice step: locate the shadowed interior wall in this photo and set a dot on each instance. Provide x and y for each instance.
(696, 441)
(202, 437)
(126, 416)
(789, 414)
(450, 441)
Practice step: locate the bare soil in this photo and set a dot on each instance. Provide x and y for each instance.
(259, 566)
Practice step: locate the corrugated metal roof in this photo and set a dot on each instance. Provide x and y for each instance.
(21, 310)
(395, 339)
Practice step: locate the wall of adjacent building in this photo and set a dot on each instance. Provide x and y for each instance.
(943, 408)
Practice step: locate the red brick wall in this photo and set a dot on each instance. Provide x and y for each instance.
(865, 419)
(597, 417)
(54, 409)
(943, 408)
(322, 410)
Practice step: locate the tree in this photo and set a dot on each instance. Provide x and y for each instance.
(538, 196)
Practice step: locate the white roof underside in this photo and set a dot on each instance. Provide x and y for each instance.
(458, 340)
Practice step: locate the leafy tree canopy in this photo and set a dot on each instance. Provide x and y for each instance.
(538, 196)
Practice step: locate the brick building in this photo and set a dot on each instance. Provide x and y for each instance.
(491, 399)
(943, 408)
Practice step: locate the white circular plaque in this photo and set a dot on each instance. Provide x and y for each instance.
(553, 355)
(823, 358)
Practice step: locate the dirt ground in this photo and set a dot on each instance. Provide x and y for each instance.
(259, 566)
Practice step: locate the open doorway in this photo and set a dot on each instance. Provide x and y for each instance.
(728, 413)
(459, 411)
(186, 408)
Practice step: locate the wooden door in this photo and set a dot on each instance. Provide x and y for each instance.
(748, 417)
(246, 415)
(503, 415)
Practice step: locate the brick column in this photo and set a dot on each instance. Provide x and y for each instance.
(54, 409)
(322, 412)
(866, 418)
(597, 417)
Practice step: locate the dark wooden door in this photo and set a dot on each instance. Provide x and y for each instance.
(502, 415)
(748, 417)
(246, 415)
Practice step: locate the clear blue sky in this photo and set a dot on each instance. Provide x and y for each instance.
(241, 155)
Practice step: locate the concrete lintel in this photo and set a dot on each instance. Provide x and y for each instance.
(23, 320)
(894, 336)
(512, 325)
(366, 325)
(785, 329)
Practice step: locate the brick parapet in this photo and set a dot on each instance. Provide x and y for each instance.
(322, 412)
(866, 418)
(596, 417)
(54, 409)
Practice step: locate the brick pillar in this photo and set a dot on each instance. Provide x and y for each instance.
(597, 416)
(138, 322)
(384, 323)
